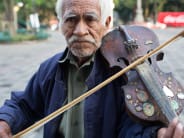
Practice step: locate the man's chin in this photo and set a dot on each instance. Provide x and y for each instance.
(82, 53)
(83, 44)
(83, 50)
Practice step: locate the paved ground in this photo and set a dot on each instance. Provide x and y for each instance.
(19, 61)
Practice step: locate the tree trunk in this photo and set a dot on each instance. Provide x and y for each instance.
(9, 16)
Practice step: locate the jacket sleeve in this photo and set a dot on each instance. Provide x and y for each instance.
(24, 107)
(28, 106)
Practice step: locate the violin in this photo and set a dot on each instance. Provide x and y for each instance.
(124, 47)
(150, 94)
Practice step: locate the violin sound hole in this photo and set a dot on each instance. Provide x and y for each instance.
(149, 59)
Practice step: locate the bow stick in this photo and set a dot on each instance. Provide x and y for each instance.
(96, 88)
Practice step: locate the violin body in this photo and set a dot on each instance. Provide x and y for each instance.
(150, 94)
(142, 105)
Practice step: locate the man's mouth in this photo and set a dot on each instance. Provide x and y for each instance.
(82, 41)
(75, 39)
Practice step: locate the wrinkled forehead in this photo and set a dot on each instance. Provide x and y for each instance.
(81, 6)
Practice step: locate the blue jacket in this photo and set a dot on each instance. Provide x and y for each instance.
(104, 114)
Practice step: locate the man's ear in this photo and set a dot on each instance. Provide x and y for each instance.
(108, 22)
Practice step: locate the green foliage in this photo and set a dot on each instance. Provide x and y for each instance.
(23, 37)
(125, 3)
(41, 35)
(1, 6)
(174, 5)
(127, 8)
(116, 2)
(42, 7)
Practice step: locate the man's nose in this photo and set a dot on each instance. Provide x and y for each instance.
(81, 29)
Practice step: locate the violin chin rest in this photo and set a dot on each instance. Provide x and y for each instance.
(143, 107)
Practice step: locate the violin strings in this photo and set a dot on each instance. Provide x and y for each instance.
(93, 90)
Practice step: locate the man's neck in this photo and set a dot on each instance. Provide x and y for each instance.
(82, 60)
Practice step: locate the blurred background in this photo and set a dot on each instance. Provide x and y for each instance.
(29, 34)
(22, 16)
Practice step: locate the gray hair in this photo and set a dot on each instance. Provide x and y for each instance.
(106, 9)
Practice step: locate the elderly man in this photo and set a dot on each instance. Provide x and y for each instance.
(71, 73)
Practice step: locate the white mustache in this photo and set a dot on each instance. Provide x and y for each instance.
(74, 38)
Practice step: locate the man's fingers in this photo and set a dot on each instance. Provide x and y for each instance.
(171, 128)
(161, 132)
(178, 131)
(169, 131)
(5, 131)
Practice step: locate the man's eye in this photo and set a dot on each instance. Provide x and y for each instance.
(91, 19)
(70, 20)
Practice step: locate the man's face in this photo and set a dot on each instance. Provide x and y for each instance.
(82, 26)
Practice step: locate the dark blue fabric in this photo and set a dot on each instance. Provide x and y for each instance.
(104, 114)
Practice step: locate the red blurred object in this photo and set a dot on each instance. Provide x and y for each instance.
(175, 19)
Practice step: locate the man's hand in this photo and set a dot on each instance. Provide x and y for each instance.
(174, 130)
(5, 131)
